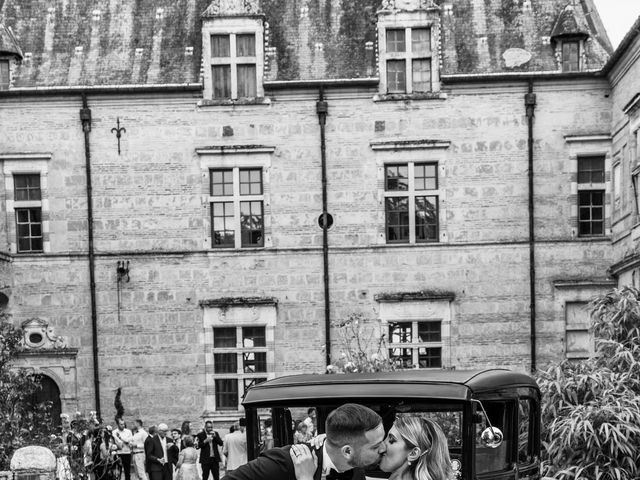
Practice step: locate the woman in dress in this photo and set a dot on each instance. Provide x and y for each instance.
(187, 461)
(416, 449)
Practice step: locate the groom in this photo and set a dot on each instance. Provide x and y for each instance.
(355, 440)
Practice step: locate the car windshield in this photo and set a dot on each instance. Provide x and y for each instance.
(287, 424)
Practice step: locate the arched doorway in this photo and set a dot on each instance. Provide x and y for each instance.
(49, 392)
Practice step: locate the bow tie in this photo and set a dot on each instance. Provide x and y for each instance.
(335, 475)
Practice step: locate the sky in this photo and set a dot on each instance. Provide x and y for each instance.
(618, 17)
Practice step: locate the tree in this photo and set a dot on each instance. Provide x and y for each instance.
(363, 349)
(591, 409)
(21, 422)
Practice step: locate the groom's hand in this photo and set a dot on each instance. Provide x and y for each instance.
(305, 462)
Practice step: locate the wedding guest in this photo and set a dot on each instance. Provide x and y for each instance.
(138, 458)
(311, 421)
(301, 435)
(208, 442)
(123, 437)
(235, 447)
(159, 466)
(187, 461)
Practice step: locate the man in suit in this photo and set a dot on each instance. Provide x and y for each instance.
(355, 440)
(147, 442)
(208, 442)
(157, 451)
(175, 447)
(235, 446)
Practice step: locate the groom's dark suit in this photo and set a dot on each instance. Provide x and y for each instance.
(276, 464)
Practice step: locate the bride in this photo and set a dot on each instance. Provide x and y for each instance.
(416, 449)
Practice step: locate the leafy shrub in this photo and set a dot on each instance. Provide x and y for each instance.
(591, 409)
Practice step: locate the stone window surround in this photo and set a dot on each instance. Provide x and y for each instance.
(573, 291)
(26, 163)
(589, 146)
(400, 20)
(411, 151)
(417, 310)
(235, 312)
(232, 25)
(231, 157)
(573, 329)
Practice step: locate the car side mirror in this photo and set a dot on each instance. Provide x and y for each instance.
(491, 437)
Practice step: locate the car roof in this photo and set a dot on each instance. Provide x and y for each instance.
(454, 385)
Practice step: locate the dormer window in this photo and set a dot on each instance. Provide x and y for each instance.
(568, 37)
(407, 39)
(571, 56)
(233, 49)
(5, 78)
(408, 57)
(233, 65)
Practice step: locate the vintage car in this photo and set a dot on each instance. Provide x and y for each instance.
(490, 417)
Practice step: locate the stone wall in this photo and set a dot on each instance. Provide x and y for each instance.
(150, 208)
(624, 80)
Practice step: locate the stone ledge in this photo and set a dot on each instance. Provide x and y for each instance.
(400, 97)
(585, 283)
(422, 295)
(228, 149)
(48, 352)
(409, 144)
(239, 102)
(225, 302)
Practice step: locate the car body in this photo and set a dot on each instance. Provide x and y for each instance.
(464, 403)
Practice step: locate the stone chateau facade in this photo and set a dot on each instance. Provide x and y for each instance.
(198, 193)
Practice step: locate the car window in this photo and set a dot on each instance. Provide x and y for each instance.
(286, 420)
(490, 459)
(525, 446)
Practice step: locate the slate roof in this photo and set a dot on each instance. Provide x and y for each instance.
(155, 42)
(8, 43)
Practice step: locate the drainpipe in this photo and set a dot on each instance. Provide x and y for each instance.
(85, 118)
(530, 105)
(322, 108)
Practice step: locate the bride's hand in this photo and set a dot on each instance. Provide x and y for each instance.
(317, 441)
(305, 462)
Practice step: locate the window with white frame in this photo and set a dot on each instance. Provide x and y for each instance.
(237, 207)
(239, 361)
(579, 342)
(408, 59)
(416, 344)
(27, 205)
(591, 195)
(28, 211)
(234, 65)
(411, 202)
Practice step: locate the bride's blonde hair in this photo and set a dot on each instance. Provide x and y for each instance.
(434, 462)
